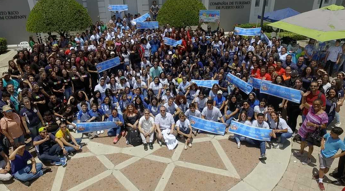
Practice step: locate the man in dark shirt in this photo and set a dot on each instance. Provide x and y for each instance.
(55, 106)
(49, 148)
(250, 111)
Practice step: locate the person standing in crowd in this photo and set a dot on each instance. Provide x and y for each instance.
(11, 126)
(333, 57)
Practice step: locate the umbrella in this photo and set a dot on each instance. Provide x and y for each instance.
(279, 15)
(323, 24)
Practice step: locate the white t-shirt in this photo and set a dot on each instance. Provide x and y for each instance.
(137, 85)
(183, 126)
(258, 109)
(155, 87)
(282, 125)
(146, 124)
(263, 125)
(201, 103)
(212, 115)
(197, 113)
(172, 108)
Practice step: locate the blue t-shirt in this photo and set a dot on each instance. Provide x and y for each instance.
(115, 119)
(83, 116)
(219, 101)
(20, 162)
(332, 146)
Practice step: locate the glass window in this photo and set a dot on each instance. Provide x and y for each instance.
(257, 3)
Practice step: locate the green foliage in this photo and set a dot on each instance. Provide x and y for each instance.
(3, 45)
(289, 34)
(265, 27)
(180, 13)
(57, 16)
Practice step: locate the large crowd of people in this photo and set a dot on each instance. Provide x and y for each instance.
(150, 96)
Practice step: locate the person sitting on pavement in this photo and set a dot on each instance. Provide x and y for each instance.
(119, 122)
(71, 144)
(50, 122)
(280, 129)
(211, 113)
(330, 145)
(260, 123)
(147, 129)
(21, 170)
(5, 166)
(184, 129)
(49, 148)
(164, 122)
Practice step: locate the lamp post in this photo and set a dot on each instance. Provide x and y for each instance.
(263, 13)
(320, 4)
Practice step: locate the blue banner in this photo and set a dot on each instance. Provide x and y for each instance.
(247, 31)
(209, 16)
(172, 42)
(147, 25)
(142, 18)
(106, 65)
(205, 83)
(94, 126)
(118, 8)
(256, 133)
(281, 91)
(206, 125)
(255, 82)
(242, 85)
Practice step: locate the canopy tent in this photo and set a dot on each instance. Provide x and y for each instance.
(279, 15)
(323, 24)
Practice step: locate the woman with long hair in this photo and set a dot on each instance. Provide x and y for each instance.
(131, 118)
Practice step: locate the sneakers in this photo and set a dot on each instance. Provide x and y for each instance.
(321, 186)
(190, 145)
(263, 157)
(63, 161)
(160, 143)
(239, 145)
(185, 147)
(116, 139)
(151, 146)
(57, 163)
(98, 132)
(145, 147)
(281, 146)
(274, 145)
(338, 124)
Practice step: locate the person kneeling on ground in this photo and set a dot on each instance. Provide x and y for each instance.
(21, 170)
(72, 144)
(49, 148)
(146, 128)
(260, 123)
(5, 166)
(330, 145)
(184, 129)
(280, 129)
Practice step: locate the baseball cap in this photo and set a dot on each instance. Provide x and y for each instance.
(6, 108)
(112, 52)
(219, 92)
(72, 48)
(41, 129)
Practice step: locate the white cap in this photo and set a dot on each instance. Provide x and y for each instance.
(219, 92)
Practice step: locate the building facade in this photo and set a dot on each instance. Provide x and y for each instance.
(14, 13)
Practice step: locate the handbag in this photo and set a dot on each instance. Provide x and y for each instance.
(315, 137)
(134, 137)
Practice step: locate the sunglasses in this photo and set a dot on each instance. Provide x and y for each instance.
(9, 111)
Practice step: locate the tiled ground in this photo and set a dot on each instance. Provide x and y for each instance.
(211, 164)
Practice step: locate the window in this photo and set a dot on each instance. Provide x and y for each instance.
(266, 3)
(257, 3)
(326, 1)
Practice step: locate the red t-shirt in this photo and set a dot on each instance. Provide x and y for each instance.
(280, 71)
(267, 76)
(310, 99)
(255, 73)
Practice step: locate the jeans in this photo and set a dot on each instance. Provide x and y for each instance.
(68, 93)
(239, 138)
(337, 117)
(71, 149)
(25, 174)
(261, 144)
(228, 121)
(114, 131)
(52, 155)
(283, 137)
(19, 140)
(34, 130)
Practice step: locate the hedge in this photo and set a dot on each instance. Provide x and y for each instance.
(265, 27)
(3, 45)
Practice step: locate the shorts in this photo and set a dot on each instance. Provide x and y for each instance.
(304, 139)
(325, 162)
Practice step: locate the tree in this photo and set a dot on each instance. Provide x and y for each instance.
(180, 13)
(57, 16)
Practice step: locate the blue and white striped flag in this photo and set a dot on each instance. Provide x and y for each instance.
(119, 8)
(142, 18)
(247, 31)
(147, 25)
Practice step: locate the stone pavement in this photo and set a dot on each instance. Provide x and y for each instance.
(213, 163)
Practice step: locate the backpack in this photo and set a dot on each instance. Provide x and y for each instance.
(134, 138)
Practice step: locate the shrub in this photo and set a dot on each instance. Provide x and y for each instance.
(289, 34)
(265, 26)
(3, 45)
(180, 13)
